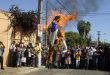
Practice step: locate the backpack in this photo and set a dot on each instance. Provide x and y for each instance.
(54, 26)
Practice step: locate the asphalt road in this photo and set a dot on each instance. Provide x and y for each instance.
(67, 72)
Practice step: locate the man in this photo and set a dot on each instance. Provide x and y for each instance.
(1, 54)
(90, 58)
(37, 52)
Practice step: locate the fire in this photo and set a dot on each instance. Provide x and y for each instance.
(63, 33)
(63, 20)
(48, 24)
(73, 16)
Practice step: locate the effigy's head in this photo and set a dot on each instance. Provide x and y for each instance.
(61, 18)
(57, 18)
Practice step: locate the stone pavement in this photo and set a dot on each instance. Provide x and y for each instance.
(68, 72)
(19, 71)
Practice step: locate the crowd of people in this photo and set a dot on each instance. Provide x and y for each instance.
(22, 55)
(89, 57)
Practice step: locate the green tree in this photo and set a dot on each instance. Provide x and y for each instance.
(72, 38)
(15, 13)
(84, 28)
(27, 21)
(83, 41)
(88, 28)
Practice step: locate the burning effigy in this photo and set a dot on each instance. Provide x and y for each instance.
(56, 33)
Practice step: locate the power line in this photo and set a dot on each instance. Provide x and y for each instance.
(51, 4)
(66, 10)
(61, 9)
(63, 6)
(80, 14)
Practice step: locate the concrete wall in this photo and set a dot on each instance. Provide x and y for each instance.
(26, 38)
(4, 34)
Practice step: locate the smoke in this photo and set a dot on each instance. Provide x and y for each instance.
(82, 7)
(68, 7)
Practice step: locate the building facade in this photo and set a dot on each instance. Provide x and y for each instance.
(7, 35)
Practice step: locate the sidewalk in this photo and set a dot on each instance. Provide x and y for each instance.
(19, 71)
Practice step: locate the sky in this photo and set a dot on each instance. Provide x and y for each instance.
(23, 4)
(99, 21)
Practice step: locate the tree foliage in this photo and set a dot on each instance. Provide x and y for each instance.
(84, 28)
(26, 20)
(74, 39)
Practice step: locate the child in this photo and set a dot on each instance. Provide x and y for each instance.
(68, 58)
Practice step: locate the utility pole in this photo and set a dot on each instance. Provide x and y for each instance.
(98, 40)
(39, 17)
(46, 22)
(40, 11)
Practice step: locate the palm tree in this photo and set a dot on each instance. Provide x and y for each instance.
(84, 28)
(88, 28)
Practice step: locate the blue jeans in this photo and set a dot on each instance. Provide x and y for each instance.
(19, 62)
(77, 63)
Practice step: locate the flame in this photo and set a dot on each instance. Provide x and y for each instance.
(63, 33)
(48, 24)
(61, 37)
(73, 16)
(63, 20)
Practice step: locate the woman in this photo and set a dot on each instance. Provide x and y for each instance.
(23, 56)
(19, 54)
(68, 59)
(29, 55)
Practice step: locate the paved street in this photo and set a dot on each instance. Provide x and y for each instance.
(67, 72)
(19, 71)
